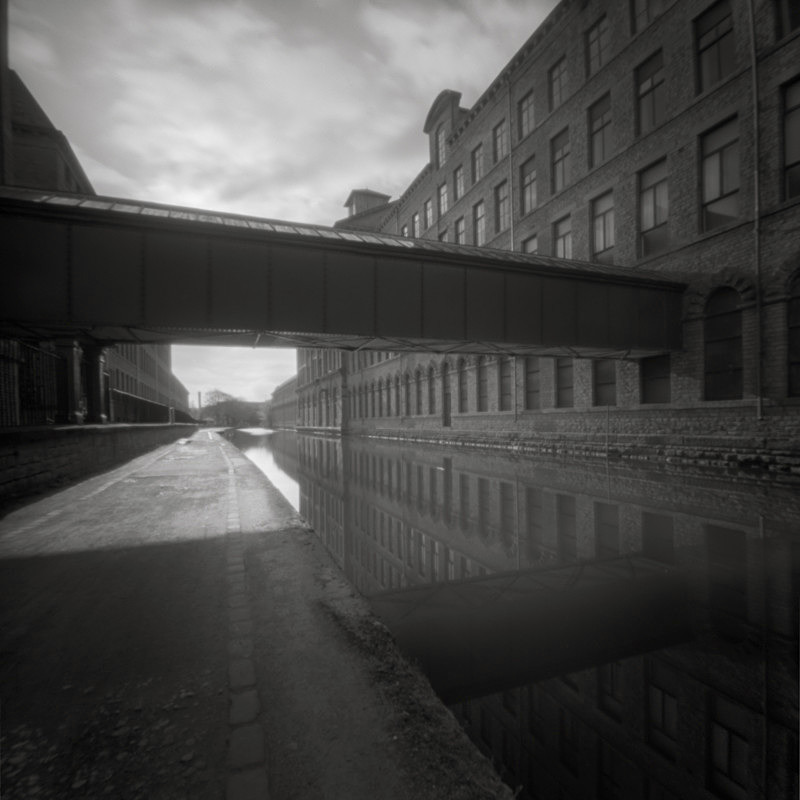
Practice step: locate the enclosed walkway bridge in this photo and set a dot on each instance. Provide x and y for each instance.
(102, 270)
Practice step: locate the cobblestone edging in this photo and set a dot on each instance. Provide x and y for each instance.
(247, 774)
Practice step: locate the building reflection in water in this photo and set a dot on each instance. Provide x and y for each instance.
(599, 632)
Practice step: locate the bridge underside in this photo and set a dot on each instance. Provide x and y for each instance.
(104, 271)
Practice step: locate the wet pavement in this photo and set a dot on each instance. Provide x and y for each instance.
(171, 629)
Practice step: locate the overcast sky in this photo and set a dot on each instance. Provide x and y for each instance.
(276, 108)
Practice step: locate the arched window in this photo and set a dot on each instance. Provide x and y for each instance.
(794, 336)
(372, 400)
(407, 392)
(431, 391)
(722, 339)
(418, 388)
(397, 395)
(380, 398)
(463, 401)
(483, 384)
(505, 385)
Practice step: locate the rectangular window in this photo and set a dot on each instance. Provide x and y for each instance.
(482, 379)
(525, 115)
(534, 514)
(788, 16)
(460, 231)
(644, 12)
(427, 213)
(479, 223)
(505, 387)
(655, 379)
(499, 141)
(597, 46)
(651, 93)
(415, 225)
(566, 530)
(527, 180)
(562, 238)
(600, 131)
(441, 197)
(532, 382)
(458, 183)
(476, 161)
(653, 209)
(606, 530)
(720, 175)
(728, 748)
(502, 207)
(564, 383)
(531, 244)
(716, 55)
(560, 160)
(791, 138)
(603, 228)
(604, 382)
(404, 230)
(557, 83)
(441, 152)
(662, 709)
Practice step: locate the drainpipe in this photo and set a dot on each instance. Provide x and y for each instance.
(756, 206)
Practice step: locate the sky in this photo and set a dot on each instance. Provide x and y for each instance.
(275, 108)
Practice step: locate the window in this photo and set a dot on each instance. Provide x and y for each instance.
(404, 230)
(653, 209)
(654, 373)
(418, 392)
(728, 749)
(505, 383)
(441, 197)
(427, 214)
(499, 141)
(502, 207)
(603, 228)
(791, 138)
(566, 527)
(525, 115)
(720, 176)
(788, 16)
(559, 152)
(531, 244)
(482, 384)
(597, 41)
(662, 709)
(650, 93)
(527, 180)
(794, 336)
(535, 523)
(415, 225)
(722, 336)
(564, 383)
(606, 530)
(476, 161)
(431, 391)
(443, 235)
(440, 146)
(644, 12)
(562, 238)
(532, 382)
(478, 223)
(463, 403)
(600, 131)
(460, 231)
(604, 382)
(458, 183)
(557, 83)
(716, 54)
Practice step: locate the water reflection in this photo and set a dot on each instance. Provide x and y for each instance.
(599, 632)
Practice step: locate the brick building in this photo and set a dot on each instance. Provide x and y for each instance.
(624, 134)
(62, 381)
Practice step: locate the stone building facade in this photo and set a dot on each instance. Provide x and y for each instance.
(623, 134)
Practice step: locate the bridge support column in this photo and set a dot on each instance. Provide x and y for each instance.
(96, 395)
(74, 406)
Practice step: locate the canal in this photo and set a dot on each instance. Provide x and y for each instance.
(600, 631)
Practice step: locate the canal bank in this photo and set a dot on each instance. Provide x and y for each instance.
(173, 629)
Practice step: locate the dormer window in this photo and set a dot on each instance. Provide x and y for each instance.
(441, 154)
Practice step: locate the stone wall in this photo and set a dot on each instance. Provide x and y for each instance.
(34, 460)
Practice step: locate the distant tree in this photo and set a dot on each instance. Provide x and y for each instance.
(233, 412)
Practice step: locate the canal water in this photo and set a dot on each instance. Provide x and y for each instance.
(599, 631)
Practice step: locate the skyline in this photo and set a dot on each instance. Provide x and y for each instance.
(277, 110)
